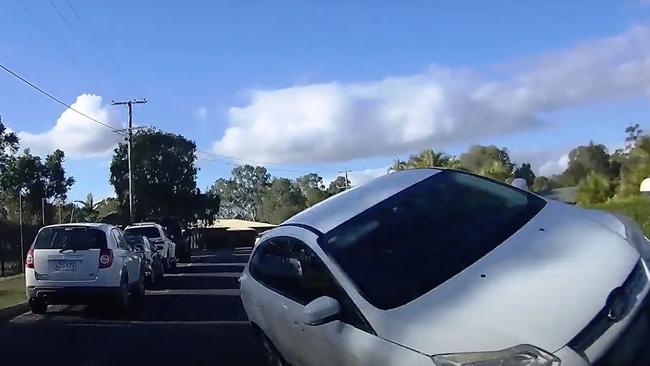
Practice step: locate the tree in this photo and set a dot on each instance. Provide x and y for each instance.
(395, 167)
(164, 175)
(595, 188)
(88, 209)
(429, 158)
(56, 183)
(635, 169)
(542, 184)
(312, 188)
(634, 134)
(207, 207)
(584, 160)
(338, 185)
(8, 145)
(242, 193)
(108, 206)
(282, 200)
(487, 160)
(525, 172)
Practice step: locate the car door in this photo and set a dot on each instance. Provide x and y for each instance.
(130, 259)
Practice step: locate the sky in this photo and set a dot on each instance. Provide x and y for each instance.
(304, 86)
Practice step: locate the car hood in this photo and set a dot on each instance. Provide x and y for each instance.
(540, 287)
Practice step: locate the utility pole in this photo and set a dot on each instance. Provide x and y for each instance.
(347, 181)
(129, 104)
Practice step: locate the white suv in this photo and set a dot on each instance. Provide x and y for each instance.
(81, 264)
(441, 267)
(157, 236)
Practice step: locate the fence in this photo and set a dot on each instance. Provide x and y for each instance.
(10, 256)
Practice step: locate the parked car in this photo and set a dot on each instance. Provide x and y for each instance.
(156, 235)
(442, 267)
(81, 264)
(174, 231)
(152, 260)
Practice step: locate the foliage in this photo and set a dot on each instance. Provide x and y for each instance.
(397, 166)
(525, 172)
(108, 206)
(37, 181)
(586, 159)
(312, 187)
(634, 134)
(595, 188)
(637, 208)
(489, 161)
(242, 193)
(164, 175)
(207, 207)
(88, 209)
(282, 200)
(8, 146)
(338, 185)
(543, 184)
(635, 169)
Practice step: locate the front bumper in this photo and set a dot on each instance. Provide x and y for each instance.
(71, 295)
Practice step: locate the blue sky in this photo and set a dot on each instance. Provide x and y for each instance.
(322, 86)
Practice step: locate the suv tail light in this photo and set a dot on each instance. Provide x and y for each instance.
(29, 260)
(105, 258)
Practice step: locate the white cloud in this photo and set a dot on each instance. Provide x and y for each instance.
(342, 121)
(553, 167)
(358, 177)
(75, 134)
(202, 113)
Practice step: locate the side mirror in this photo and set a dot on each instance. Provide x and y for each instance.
(320, 310)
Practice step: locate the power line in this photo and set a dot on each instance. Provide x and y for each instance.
(265, 163)
(67, 22)
(87, 29)
(56, 99)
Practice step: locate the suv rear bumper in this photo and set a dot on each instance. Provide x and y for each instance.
(71, 295)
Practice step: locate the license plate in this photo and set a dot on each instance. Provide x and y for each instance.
(66, 266)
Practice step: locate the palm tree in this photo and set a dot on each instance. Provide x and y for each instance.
(432, 159)
(89, 208)
(397, 166)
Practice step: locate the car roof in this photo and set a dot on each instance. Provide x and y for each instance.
(96, 225)
(341, 207)
(144, 224)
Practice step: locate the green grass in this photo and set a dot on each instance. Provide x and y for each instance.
(12, 291)
(637, 208)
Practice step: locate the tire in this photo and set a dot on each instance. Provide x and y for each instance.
(38, 306)
(122, 297)
(138, 291)
(272, 355)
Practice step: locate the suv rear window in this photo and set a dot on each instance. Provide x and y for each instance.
(148, 231)
(408, 244)
(75, 238)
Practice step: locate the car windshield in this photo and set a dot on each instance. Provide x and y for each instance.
(134, 239)
(75, 238)
(150, 232)
(410, 243)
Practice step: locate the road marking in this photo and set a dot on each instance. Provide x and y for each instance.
(241, 254)
(243, 248)
(203, 292)
(213, 274)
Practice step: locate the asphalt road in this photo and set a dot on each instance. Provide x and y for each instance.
(194, 318)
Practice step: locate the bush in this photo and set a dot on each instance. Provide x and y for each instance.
(637, 208)
(595, 188)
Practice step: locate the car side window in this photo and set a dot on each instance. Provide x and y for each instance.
(119, 239)
(314, 281)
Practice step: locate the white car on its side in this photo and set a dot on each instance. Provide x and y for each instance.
(157, 236)
(441, 267)
(81, 264)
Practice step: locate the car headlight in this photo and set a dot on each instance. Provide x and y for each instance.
(635, 236)
(522, 355)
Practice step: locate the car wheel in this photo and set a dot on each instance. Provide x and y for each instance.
(122, 297)
(38, 306)
(273, 357)
(138, 292)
